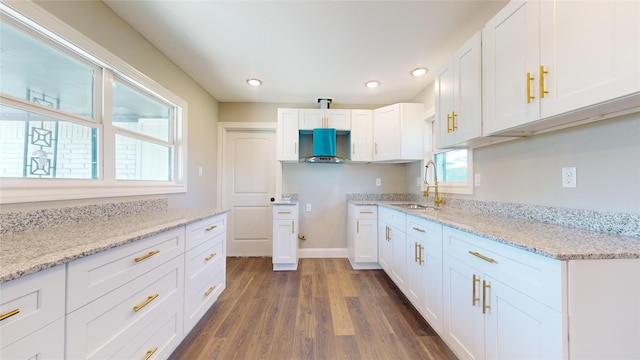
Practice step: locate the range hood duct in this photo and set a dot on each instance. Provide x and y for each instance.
(324, 147)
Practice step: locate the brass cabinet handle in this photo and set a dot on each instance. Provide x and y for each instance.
(211, 228)
(358, 226)
(150, 352)
(150, 254)
(145, 303)
(353, 148)
(449, 123)
(366, 212)
(488, 259)
(9, 314)
(415, 251)
(208, 292)
(292, 225)
(375, 148)
(211, 256)
(474, 298)
(453, 121)
(529, 79)
(418, 229)
(485, 286)
(295, 147)
(542, 90)
(421, 255)
(284, 212)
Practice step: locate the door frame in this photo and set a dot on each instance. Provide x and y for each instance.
(223, 129)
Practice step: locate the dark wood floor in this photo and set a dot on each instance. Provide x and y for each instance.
(324, 310)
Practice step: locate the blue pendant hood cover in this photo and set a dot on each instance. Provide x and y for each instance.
(324, 142)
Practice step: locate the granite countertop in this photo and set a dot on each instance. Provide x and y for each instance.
(26, 252)
(554, 241)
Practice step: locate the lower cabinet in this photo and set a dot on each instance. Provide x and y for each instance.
(285, 237)
(362, 238)
(392, 245)
(45, 343)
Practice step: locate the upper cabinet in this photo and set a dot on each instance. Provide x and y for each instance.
(540, 60)
(361, 135)
(339, 119)
(458, 96)
(397, 132)
(287, 135)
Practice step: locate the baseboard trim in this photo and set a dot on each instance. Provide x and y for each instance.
(323, 253)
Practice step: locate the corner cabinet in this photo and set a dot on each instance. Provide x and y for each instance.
(397, 132)
(285, 237)
(362, 239)
(287, 135)
(338, 119)
(544, 67)
(458, 86)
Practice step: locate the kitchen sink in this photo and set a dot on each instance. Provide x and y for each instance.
(416, 206)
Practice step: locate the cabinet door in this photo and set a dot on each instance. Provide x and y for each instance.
(386, 133)
(311, 119)
(398, 240)
(416, 274)
(366, 248)
(385, 250)
(287, 135)
(284, 242)
(361, 135)
(444, 104)
(46, 343)
(509, 51)
(590, 58)
(463, 318)
(338, 119)
(518, 327)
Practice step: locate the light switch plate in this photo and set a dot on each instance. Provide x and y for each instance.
(569, 177)
(378, 182)
(308, 207)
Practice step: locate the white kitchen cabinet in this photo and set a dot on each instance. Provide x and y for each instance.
(548, 64)
(361, 135)
(424, 269)
(287, 135)
(393, 248)
(285, 237)
(205, 267)
(500, 302)
(458, 87)
(397, 132)
(32, 315)
(362, 239)
(339, 119)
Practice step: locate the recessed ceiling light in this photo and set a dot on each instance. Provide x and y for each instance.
(254, 82)
(372, 83)
(419, 72)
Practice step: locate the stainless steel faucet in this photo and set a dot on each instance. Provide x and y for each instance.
(437, 200)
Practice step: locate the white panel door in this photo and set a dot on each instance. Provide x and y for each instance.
(248, 183)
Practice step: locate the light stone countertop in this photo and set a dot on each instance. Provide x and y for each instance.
(27, 252)
(554, 241)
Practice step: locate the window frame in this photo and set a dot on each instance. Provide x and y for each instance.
(458, 187)
(62, 37)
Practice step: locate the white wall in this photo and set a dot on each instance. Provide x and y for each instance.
(96, 21)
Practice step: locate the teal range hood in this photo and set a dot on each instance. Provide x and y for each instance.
(324, 147)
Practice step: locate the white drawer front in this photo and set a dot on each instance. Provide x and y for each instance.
(96, 275)
(285, 212)
(392, 217)
(202, 257)
(158, 340)
(202, 293)
(534, 275)
(366, 212)
(428, 231)
(31, 302)
(46, 343)
(203, 230)
(105, 326)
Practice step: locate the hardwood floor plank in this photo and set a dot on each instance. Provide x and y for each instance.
(323, 311)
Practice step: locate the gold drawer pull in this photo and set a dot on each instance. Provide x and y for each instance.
(150, 352)
(145, 303)
(483, 257)
(485, 286)
(366, 212)
(150, 254)
(284, 212)
(418, 229)
(210, 257)
(9, 314)
(211, 228)
(473, 297)
(209, 291)
(529, 80)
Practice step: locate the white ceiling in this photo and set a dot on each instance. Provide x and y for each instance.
(305, 50)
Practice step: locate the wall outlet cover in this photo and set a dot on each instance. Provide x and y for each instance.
(569, 177)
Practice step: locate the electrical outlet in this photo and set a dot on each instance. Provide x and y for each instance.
(199, 171)
(476, 178)
(569, 177)
(378, 182)
(308, 207)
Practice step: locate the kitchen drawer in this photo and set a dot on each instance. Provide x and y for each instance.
(202, 293)
(35, 300)
(204, 256)
(158, 340)
(535, 275)
(203, 230)
(46, 343)
(93, 276)
(285, 212)
(363, 212)
(428, 231)
(106, 326)
(392, 217)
